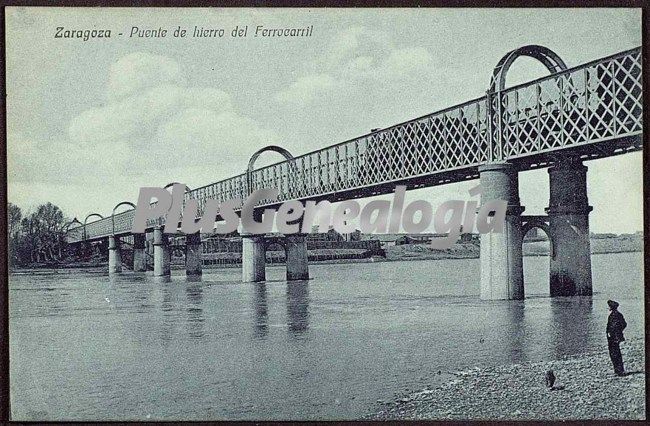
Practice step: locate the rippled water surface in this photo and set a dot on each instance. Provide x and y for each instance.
(86, 346)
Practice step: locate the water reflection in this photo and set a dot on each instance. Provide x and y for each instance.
(515, 331)
(162, 279)
(141, 293)
(570, 324)
(168, 316)
(341, 335)
(297, 307)
(195, 319)
(261, 323)
(125, 293)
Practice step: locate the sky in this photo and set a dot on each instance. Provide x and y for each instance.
(90, 122)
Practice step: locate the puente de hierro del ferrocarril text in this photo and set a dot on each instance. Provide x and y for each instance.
(559, 121)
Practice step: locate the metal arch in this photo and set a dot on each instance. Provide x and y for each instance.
(606, 119)
(187, 188)
(113, 213)
(546, 56)
(533, 223)
(86, 221)
(91, 215)
(286, 154)
(275, 148)
(187, 191)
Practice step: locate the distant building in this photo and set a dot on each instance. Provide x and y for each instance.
(330, 235)
(402, 239)
(414, 239)
(604, 235)
(385, 239)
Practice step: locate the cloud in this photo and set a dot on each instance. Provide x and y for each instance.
(152, 129)
(26, 160)
(360, 79)
(203, 136)
(140, 70)
(162, 124)
(405, 61)
(351, 43)
(355, 57)
(308, 88)
(59, 161)
(138, 117)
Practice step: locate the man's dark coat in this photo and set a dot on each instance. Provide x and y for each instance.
(615, 326)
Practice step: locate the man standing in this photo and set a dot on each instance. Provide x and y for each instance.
(615, 326)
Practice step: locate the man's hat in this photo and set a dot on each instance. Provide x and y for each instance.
(612, 304)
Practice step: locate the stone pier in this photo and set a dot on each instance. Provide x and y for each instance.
(568, 212)
(502, 275)
(139, 255)
(161, 253)
(114, 255)
(253, 258)
(193, 254)
(296, 257)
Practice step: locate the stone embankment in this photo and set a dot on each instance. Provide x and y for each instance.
(586, 388)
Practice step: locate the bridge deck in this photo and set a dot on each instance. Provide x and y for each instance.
(593, 110)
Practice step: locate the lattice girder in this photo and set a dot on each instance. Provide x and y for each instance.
(593, 103)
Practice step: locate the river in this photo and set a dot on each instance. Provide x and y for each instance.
(88, 346)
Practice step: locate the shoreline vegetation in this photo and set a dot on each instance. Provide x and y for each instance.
(586, 388)
(467, 250)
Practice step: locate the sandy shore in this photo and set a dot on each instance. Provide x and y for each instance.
(588, 390)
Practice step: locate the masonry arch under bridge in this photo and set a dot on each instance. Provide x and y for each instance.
(540, 248)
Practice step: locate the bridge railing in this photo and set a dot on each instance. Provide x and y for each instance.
(452, 138)
(586, 104)
(590, 103)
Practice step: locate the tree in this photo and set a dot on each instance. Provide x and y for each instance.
(14, 215)
(40, 236)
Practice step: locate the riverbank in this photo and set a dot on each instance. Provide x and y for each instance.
(469, 250)
(588, 389)
(601, 245)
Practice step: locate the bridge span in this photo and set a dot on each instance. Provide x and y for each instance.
(590, 111)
